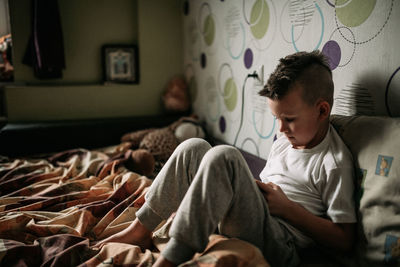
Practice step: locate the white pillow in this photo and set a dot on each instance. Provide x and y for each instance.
(375, 145)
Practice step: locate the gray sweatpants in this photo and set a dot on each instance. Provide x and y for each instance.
(212, 188)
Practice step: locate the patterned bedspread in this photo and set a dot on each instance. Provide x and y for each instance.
(54, 208)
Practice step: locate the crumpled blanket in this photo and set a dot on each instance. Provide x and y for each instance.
(53, 208)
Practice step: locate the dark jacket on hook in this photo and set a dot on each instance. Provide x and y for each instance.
(45, 51)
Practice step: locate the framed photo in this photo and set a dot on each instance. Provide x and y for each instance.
(120, 63)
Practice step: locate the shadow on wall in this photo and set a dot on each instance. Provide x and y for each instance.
(358, 98)
(386, 93)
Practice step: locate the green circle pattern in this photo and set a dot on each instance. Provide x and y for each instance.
(354, 13)
(259, 21)
(209, 30)
(230, 94)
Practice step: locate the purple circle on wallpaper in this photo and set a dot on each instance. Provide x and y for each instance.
(203, 60)
(332, 51)
(222, 124)
(248, 58)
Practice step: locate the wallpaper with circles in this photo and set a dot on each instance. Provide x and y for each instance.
(224, 41)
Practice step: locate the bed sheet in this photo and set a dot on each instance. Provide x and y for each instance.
(53, 208)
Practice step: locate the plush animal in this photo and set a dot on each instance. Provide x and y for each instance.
(140, 161)
(158, 143)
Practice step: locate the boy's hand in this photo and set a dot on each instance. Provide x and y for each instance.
(278, 202)
(335, 235)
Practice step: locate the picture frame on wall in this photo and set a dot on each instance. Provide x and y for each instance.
(120, 64)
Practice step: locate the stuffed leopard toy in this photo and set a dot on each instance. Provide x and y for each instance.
(162, 142)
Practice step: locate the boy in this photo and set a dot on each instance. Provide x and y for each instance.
(306, 191)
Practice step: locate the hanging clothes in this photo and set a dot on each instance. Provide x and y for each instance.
(45, 51)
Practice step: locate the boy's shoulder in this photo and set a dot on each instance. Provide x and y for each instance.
(338, 148)
(332, 149)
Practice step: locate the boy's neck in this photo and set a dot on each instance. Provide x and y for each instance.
(319, 136)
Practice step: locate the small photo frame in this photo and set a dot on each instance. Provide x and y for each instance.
(120, 63)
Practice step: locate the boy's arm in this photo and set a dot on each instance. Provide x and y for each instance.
(339, 236)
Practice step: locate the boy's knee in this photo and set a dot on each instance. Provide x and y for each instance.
(222, 152)
(195, 144)
(225, 162)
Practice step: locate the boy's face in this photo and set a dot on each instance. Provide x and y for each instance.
(302, 124)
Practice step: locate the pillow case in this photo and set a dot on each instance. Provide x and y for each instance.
(375, 145)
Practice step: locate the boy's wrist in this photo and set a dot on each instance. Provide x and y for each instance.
(291, 211)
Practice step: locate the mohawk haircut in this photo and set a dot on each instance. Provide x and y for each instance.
(309, 69)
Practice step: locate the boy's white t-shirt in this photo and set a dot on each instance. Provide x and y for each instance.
(320, 179)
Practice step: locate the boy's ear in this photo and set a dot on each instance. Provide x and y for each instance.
(324, 109)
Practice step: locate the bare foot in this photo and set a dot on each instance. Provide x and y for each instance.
(135, 234)
(146, 243)
(163, 262)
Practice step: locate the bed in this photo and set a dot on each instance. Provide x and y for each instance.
(65, 186)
